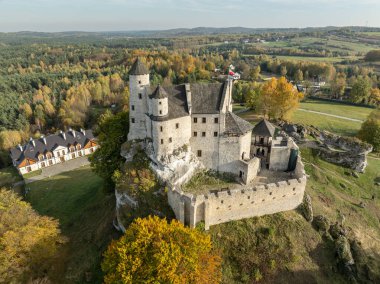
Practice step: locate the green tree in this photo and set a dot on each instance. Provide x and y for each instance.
(370, 130)
(155, 251)
(28, 241)
(361, 90)
(112, 132)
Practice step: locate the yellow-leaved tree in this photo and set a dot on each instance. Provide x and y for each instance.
(278, 99)
(28, 241)
(155, 251)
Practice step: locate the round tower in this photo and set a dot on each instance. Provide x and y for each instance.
(159, 102)
(138, 105)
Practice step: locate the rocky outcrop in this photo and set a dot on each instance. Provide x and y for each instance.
(296, 131)
(306, 208)
(344, 151)
(321, 223)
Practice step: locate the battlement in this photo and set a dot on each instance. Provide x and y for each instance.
(243, 202)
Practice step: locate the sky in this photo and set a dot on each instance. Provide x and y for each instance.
(127, 15)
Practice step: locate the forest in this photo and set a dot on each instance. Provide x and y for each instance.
(60, 80)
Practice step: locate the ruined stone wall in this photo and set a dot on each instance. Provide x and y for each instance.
(244, 202)
(279, 156)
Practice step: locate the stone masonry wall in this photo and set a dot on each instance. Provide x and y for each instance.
(245, 202)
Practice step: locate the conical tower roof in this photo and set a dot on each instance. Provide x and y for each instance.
(159, 93)
(138, 68)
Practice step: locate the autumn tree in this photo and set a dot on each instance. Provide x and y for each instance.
(28, 241)
(370, 130)
(155, 251)
(9, 139)
(298, 77)
(278, 99)
(374, 97)
(338, 85)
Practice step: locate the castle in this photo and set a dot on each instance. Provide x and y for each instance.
(191, 126)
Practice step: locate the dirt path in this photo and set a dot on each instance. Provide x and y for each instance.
(332, 115)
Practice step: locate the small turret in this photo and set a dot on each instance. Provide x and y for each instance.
(159, 101)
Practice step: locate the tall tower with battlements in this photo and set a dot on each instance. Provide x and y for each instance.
(138, 101)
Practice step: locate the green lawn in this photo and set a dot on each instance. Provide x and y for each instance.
(332, 124)
(9, 176)
(350, 111)
(85, 213)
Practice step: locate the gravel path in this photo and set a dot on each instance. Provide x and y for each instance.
(332, 115)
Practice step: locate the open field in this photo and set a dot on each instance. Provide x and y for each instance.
(333, 124)
(336, 108)
(85, 213)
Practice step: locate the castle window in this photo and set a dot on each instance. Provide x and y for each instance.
(170, 140)
(216, 120)
(203, 120)
(177, 125)
(203, 134)
(162, 141)
(140, 96)
(132, 120)
(160, 103)
(195, 134)
(139, 81)
(199, 153)
(160, 111)
(161, 128)
(132, 107)
(215, 134)
(195, 120)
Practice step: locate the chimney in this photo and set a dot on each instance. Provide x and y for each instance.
(63, 134)
(83, 131)
(32, 142)
(43, 139)
(73, 132)
(19, 147)
(188, 97)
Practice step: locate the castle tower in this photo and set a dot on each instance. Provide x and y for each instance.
(159, 109)
(138, 102)
(159, 102)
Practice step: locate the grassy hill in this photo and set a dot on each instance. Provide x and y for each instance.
(85, 213)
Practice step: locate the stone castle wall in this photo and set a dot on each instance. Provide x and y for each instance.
(236, 204)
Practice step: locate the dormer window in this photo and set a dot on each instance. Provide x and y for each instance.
(78, 147)
(40, 157)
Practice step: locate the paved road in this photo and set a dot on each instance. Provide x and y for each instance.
(59, 168)
(332, 115)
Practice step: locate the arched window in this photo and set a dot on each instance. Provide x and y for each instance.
(40, 157)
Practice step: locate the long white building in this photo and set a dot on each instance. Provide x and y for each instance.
(52, 149)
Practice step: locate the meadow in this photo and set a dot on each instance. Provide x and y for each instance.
(85, 213)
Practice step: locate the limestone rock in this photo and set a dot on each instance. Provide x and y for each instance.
(343, 250)
(355, 174)
(307, 209)
(337, 230)
(345, 151)
(321, 223)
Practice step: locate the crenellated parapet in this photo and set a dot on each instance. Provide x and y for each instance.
(243, 202)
